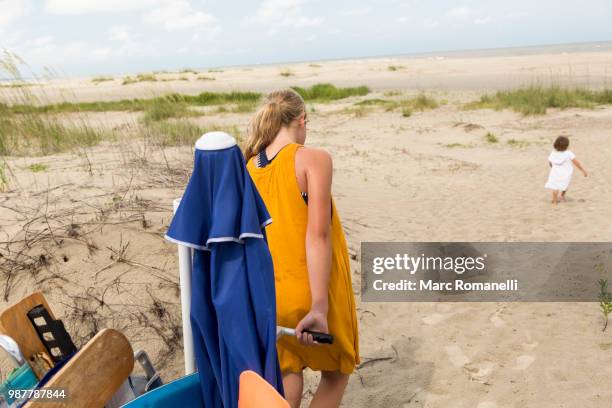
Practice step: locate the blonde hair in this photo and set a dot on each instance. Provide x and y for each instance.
(278, 109)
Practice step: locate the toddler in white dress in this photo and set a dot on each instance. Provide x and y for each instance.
(561, 162)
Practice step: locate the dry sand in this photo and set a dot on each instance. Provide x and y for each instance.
(395, 179)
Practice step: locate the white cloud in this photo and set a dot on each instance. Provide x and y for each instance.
(38, 42)
(287, 13)
(179, 15)
(120, 33)
(459, 13)
(403, 20)
(465, 15)
(75, 7)
(483, 20)
(430, 23)
(355, 12)
(45, 50)
(11, 10)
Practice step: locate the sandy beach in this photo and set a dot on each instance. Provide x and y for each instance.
(88, 229)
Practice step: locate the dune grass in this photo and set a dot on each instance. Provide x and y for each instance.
(491, 138)
(3, 177)
(329, 92)
(203, 99)
(38, 167)
(41, 134)
(31, 132)
(182, 133)
(173, 133)
(407, 106)
(518, 143)
(536, 100)
(245, 99)
(98, 79)
(166, 108)
(139, 78)
(357, 111)
(286, 73)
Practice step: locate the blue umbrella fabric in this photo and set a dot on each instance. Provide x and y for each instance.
(233, 307)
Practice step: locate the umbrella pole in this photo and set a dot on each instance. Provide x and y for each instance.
(184, 257)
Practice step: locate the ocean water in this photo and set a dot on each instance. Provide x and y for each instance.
(572, 48)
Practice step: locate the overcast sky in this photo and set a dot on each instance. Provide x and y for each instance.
(76, 37)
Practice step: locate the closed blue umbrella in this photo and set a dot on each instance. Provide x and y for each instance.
(233, 307)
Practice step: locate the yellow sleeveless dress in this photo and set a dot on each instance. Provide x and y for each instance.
(277, 184)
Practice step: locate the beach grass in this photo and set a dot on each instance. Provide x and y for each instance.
(407, 106)
(38, 167)
(536, 100)
(98, 79)
(3, 177)
(517, 143)
(42, 134)
(357, 111)
(173, 133)
(182, 133)
(422, 102)
(166, 108)
(286, 73)
(139, 78)
(329, 92)
(491, 138)
(203, 99)
(458, 145)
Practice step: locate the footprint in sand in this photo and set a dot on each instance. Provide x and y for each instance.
(444, 307)
(479, 372)
(487, 404)
(523, 362)
(530, 346)
(456, 356)
(434, 319)
(497, 321)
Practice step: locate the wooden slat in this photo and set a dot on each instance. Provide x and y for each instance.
(94, 374)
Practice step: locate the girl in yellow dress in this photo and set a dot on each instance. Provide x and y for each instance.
(311, 265)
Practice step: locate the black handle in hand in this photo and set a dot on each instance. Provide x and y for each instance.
(321, 337)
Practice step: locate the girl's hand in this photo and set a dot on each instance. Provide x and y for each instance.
(315, 320)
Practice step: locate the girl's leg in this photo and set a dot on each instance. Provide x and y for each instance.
(293, 383)
(563, 195)
(330, 391)
(555, 196)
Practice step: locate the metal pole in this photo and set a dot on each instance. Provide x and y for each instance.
(185, 257)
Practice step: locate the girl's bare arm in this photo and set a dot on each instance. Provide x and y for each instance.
(318, 242)
(579, 167)
(317, 165)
